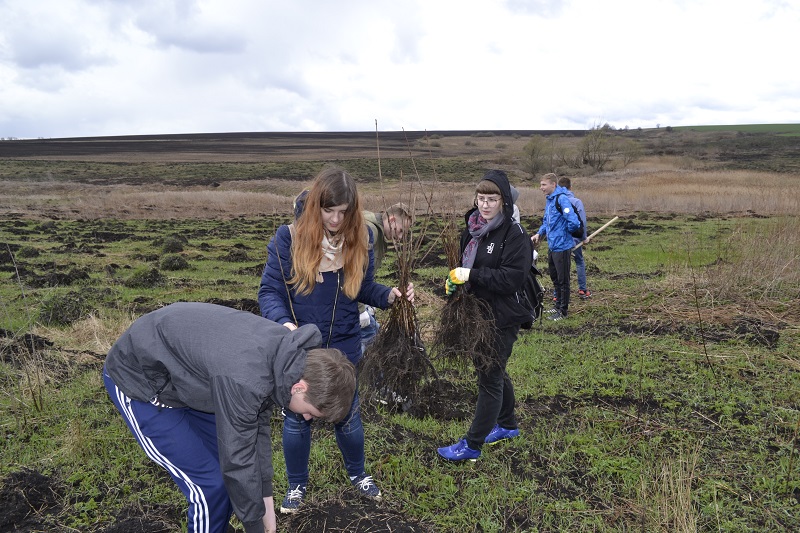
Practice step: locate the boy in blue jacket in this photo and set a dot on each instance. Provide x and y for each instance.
(558, 223)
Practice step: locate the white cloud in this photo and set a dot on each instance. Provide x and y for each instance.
(101, 67)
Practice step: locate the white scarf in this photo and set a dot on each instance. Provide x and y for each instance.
(332, 257)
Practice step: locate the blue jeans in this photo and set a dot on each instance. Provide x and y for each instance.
(184, 443)
(580, 266)
(297, 443)
(369, 333)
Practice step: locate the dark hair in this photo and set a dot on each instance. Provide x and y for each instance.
(331, 382)
(487, 187)
(565, 182)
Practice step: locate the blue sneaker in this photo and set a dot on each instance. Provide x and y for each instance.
(366, 487)
(459, 452)
(497, 434)
(294, 497)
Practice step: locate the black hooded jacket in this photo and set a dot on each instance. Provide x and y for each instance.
(502, 261)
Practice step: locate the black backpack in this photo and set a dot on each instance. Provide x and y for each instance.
(578, 233)
(532, 293)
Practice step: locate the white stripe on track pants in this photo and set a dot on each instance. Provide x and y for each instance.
(184, 443)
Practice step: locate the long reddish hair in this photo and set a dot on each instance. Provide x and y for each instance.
(332, 187)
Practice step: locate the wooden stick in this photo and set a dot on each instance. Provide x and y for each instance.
(604, 226)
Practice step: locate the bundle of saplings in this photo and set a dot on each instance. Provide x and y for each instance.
(464, 333)
(396, 364)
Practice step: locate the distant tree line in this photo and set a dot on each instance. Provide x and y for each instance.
(595, 150)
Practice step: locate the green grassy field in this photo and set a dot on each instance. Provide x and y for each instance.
(781, 129)
(670, 401)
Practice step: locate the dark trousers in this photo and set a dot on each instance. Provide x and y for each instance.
(495, 392)
(558, 265)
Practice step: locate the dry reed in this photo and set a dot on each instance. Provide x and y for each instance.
(756, 265)
(633, 190)
(668, 497)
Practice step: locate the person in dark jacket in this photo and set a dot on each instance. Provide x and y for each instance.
(317, 271)
(495, 258)
(559, 221)
(196, 384)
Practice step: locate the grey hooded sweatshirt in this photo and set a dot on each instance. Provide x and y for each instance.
(218, 360)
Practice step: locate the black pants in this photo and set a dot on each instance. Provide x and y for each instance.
(558, 265)
(495, 392)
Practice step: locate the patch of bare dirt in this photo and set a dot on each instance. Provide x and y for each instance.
(146, 519)
(27, 499)
(242, 304)
(349, 513)
(12, 345)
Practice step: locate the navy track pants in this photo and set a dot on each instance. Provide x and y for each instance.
(184, 443)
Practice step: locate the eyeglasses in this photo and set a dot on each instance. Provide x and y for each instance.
(491, 201)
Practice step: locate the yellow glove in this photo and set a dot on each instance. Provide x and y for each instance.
(449, 287)
(459, 275)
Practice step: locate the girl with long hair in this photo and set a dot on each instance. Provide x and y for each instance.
(317, 271)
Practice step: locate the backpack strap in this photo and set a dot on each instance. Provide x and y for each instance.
(558, 204)
(283, 274)
(503, 243)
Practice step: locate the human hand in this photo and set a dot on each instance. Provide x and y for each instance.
(535, 238)
(410, 292)
(396, 294)
(459, 275)
(270, 523)
(290, 326)
(449, 287)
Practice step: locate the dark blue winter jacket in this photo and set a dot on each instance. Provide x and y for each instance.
(326, 306)
(556, 224)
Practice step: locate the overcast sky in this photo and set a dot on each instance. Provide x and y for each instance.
(76, 68)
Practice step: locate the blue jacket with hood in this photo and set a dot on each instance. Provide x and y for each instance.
(326, 306)
(558, 225)
(502, 261)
